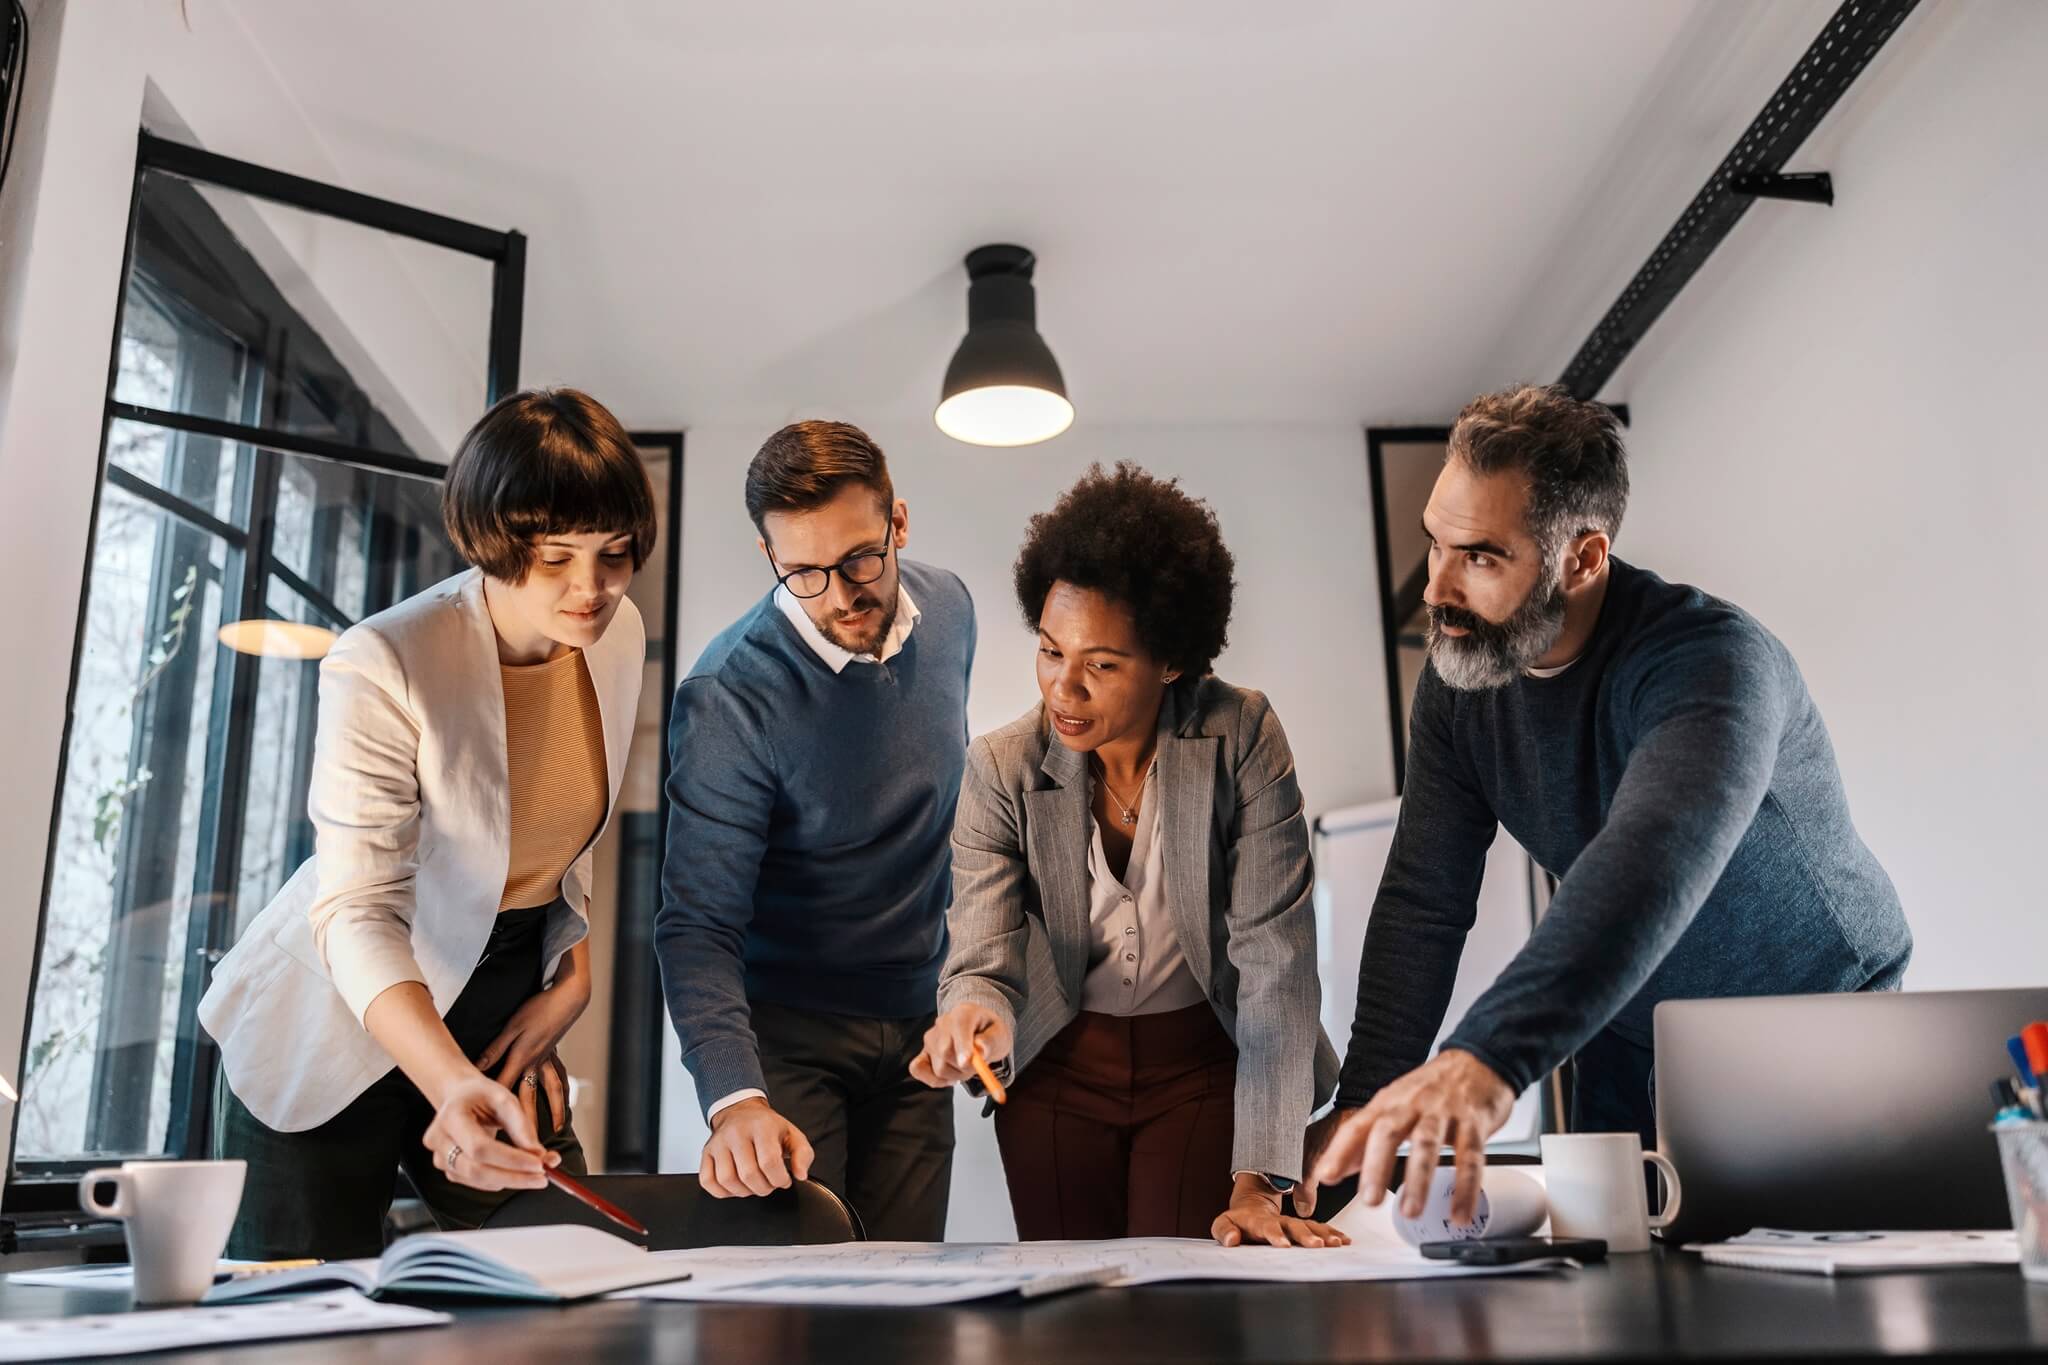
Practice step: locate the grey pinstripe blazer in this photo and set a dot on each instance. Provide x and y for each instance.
(1238, 878)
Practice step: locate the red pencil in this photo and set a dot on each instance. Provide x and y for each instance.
(595, 1201)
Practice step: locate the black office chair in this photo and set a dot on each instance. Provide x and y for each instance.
(677, 1214)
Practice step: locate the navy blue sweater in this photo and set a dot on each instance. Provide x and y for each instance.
(1678, 779)
(809, 857)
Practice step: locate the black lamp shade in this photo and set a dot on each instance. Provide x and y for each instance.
(1003, 388)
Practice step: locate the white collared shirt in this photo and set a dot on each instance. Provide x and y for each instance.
(836, 658)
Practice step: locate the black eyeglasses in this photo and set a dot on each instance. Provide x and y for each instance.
(863, 568)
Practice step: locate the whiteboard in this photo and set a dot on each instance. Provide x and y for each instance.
(1351, 853)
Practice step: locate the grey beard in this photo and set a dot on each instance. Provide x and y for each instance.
(1494, 654)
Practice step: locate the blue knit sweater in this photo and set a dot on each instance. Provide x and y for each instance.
(1678, 779)
(809, 858)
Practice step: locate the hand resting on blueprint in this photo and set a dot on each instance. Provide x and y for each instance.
(1254, 1218)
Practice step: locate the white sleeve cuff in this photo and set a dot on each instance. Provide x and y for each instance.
(367, 957)
(734, 1098)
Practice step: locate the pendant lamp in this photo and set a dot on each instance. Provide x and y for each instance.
(277, 639)
(1003, 387)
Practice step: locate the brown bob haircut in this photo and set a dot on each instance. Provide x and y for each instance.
(544, 462)
(807, 464)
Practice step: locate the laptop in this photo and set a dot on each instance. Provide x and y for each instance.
(1835, 1112)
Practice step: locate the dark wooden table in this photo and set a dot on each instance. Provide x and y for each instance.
(1655, 1306)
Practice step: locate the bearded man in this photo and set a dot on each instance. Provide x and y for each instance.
(1652, 747)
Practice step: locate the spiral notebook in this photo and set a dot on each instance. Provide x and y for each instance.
(1859, 1253)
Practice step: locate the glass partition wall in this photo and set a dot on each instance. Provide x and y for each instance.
(265, 483)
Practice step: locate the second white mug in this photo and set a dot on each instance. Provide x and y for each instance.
(1594, 1182)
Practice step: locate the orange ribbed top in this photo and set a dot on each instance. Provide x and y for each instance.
(554, 758)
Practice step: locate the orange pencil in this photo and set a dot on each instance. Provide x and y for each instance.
(988, 1077)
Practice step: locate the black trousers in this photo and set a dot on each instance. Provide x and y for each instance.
(324, 1192)
(884, 1141)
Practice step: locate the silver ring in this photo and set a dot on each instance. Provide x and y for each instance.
(454, 1152)
(531, 1080)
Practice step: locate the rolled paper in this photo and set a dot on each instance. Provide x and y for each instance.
(1511, 1204)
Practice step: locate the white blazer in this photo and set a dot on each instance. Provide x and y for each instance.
(412, 817)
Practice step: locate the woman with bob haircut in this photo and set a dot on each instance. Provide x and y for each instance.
(1132, 935)
(399, 1001)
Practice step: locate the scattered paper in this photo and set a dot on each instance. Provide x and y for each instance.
(904, 1273)
(893, 1271)
(121, 1276)
(113, 1334)
(1138, 1261)
(864, 1287)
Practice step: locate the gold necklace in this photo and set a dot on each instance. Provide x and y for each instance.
(1130, 814)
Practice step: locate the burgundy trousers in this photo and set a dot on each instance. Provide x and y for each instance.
(1121, 1127)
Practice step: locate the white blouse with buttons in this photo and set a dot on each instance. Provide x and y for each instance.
(1135, 964)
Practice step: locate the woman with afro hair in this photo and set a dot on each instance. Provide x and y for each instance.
(1133, 948)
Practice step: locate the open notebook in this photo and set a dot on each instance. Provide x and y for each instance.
(551, 1264)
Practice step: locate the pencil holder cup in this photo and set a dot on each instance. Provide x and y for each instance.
(2023, 1149)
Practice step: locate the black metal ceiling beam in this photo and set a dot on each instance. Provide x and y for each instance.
(1753, 170)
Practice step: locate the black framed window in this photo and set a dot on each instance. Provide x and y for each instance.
(256, 497)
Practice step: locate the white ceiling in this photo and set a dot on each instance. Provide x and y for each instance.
(1291, 210)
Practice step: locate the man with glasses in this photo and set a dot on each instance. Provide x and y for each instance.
(816, 754)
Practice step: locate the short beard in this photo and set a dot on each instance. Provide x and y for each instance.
(1494, 654)
(869, 642)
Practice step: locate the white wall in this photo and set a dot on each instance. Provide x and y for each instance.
(1838, 427)
(1295, 510)
(62, 216)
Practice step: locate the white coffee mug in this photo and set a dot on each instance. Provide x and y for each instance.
(177, 1213)
(1594, 1182)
